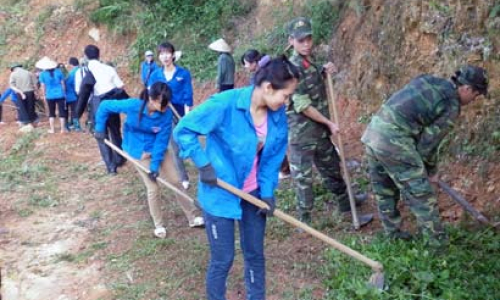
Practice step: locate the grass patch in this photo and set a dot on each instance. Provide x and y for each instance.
(42, 201)
(469, 269)
(75, 258)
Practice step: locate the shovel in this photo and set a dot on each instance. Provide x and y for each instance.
(376, 279)
(159, 179)
(333, 107)
(466, 205)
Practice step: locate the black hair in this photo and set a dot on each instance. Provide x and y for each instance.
(166, 46)
(278, 72)
(454, 78)
(251, 56)
(92, 52)
(159, 90)
(73, 61)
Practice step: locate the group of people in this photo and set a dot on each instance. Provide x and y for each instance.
(49, 84)
(248, 133)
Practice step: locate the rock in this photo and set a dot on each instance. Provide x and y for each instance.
(94, 33)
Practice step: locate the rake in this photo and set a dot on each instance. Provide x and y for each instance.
(376, 279)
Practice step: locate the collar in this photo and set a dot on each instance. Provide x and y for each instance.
(243, 102)
(304, 61)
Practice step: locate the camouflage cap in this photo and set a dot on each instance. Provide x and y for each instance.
(299, 28)
(476, 77)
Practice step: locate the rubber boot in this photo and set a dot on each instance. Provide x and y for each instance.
(51, 124)
(76, 125)
(62, 121)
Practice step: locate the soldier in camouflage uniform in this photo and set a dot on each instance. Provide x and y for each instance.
(402, 141)
(310, 126)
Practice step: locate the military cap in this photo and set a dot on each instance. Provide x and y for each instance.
(299, 28)
(476, 77)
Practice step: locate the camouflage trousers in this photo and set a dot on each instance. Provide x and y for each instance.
(403, 174)
(327, 161)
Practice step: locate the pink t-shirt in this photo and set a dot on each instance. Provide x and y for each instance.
(250, 183)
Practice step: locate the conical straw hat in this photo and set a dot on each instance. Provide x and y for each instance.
(220, 46)
(46, 64)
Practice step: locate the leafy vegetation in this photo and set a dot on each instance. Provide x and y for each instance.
(324, 15)
(191, 26)
(468, 269)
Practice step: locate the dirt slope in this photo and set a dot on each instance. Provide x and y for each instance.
(72, 232)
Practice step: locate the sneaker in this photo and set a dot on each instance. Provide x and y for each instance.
(197, 222)
(160, 232)
(185, 184)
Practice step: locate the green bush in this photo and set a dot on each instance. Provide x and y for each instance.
(468, 269)
(189, 25)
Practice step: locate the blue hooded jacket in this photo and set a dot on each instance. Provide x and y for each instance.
(180, 84)
(150, 135)
(71, 95)
(231, 146)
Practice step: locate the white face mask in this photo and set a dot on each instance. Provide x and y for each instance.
(165, 56)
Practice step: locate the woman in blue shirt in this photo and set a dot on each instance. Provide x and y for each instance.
(146, 134)
(179, 81)
(53, 89)
(246, 138)
(71, 95)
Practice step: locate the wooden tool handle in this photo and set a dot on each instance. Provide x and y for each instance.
(159, 179)
(376, 266)
(333, 107)
(466, 205)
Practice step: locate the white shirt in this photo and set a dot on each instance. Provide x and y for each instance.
(105, 76)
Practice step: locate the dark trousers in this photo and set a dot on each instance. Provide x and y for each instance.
(113, 133)
(71, 106)
(27, 107)
(225, 87)
(61, 107)
(220, 234)
(1, 112)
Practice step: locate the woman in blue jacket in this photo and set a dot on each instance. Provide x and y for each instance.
(246, 138)
(179, 81)
(146, 134)
(71, 96)
(53, 90)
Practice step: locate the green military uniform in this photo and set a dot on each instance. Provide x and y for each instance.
(309, 141)
(401, 144)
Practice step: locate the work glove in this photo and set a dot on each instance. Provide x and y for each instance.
(153, 175)
(100, 136)
(207, 175)
(268, 212)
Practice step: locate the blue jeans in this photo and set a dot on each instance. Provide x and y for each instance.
(220, 233)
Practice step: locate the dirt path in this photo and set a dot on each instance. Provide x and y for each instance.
(43, 230)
